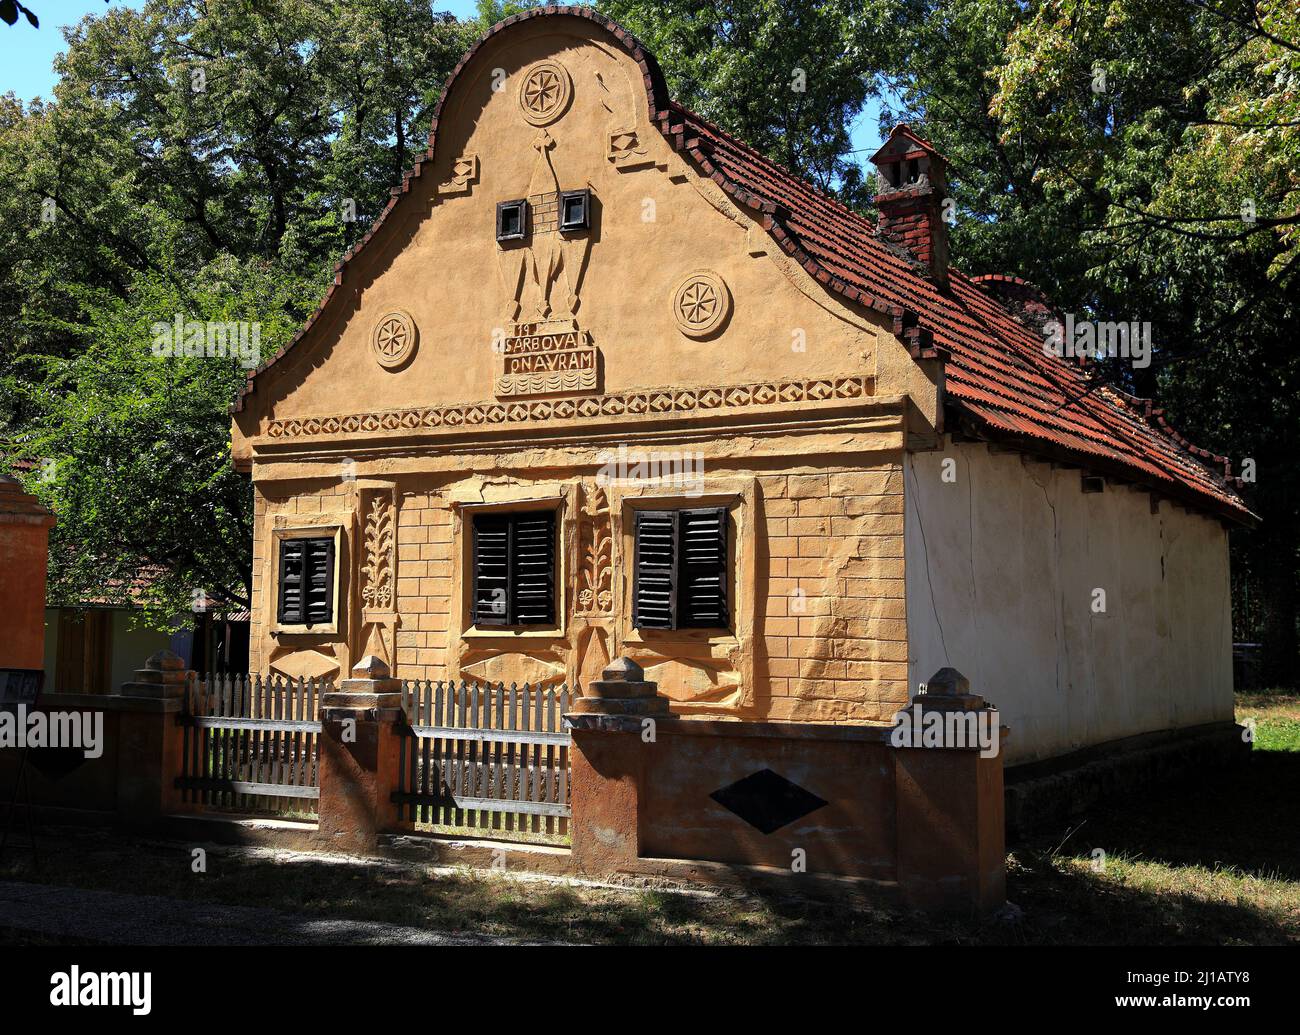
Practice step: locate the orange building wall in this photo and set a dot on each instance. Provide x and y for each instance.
(819, 630)
(24, 538)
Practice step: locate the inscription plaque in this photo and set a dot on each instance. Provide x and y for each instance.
(542, 359)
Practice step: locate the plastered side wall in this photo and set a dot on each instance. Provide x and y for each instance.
(1002, 564)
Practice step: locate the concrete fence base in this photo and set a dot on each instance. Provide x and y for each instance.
(652, 794)
(806, 799)
(802, 799)
(361, 727)
(129, 776)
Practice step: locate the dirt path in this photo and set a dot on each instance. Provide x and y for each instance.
(107, 917)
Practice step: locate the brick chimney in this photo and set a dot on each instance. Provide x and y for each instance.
(913, 182)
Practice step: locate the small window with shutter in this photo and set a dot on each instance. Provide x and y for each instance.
(680, 575)
(306, 581)
(513, 557)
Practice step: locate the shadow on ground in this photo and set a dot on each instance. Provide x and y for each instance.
(1210, 861)
(1247, 819)
(1198, 841)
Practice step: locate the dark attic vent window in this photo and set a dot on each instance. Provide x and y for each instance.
(1093, 483)
(575, 209)
(512, 216)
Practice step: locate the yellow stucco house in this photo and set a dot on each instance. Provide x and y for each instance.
(605, 381)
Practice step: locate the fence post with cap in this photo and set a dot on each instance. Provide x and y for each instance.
(361, 731)
(150, 739)
(609, 766)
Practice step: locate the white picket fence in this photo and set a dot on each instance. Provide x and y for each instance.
(488, 757)
(251, 743)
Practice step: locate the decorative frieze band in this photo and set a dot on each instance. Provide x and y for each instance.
(541, 411)
(539, 384)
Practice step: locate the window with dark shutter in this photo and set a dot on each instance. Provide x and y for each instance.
(292, 552)
(514, 568)
(306, 581)
(680, 569)
(491, 569)
(654, 573)
(702, 586)
(532, 569)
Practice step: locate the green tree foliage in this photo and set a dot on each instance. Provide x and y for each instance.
(1174, 125)
(938, 78)
(208, 161)
(788, 79)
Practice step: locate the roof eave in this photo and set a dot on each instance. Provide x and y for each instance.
(1241, 515)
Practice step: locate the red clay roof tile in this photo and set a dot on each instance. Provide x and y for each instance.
(996, 369)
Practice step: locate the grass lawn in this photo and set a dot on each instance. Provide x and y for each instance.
(1210, 861)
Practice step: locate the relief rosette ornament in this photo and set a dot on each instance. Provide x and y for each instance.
(701, 304)
(394, 339)
(545, 93)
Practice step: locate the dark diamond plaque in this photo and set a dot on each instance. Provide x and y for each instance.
(766, 800)
(56, 763)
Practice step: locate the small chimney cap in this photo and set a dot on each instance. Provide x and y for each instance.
(902, 142)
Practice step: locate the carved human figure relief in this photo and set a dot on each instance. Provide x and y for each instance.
(550, 289)
(544, 350)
